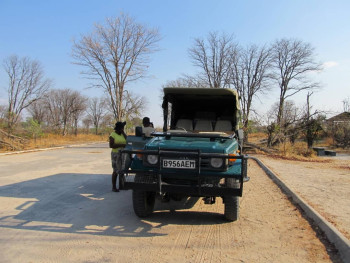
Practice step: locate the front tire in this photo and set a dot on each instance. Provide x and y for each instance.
(143, 202)
(231, 202)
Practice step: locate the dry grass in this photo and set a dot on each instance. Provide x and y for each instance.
(313, 159)
(257, 137)
(287, 151)
(296, 152)
(50, 140)
(329, 141)
(54, 140)
(296, 149)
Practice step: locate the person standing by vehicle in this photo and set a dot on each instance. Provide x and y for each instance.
(147, 128)
(117, 141)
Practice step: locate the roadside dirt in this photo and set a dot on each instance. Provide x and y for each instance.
(325, 185)
(60, 202)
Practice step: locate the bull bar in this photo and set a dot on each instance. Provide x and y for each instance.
(152, 179)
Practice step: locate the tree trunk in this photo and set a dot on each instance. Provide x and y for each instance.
(76, 127)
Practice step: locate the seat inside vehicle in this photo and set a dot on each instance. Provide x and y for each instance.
(186, 124)
(204, 125)
(223, 125)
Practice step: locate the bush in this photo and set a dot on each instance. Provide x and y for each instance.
(341, 135)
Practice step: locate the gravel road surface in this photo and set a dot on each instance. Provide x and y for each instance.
(57, 206)
(324, 185)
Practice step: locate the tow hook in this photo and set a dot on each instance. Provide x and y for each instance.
(164, 197)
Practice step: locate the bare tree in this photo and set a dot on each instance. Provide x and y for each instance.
(187, 81)
(214, 57)
(38, 110)
(250, 75)
(311, 123)
(346, 104)
(96, 111)
(64, 100)
(340, 132)
(79, 105)
(107, 123)
(134, 105)
(64, 107)
(53, 101)
(296, 122)
(293, 61)
(87, 122)
(116, 54)
(278, 133)
(3, 113)
(26, 85)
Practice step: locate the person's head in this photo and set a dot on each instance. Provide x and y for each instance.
(146, 122)
(119, 127)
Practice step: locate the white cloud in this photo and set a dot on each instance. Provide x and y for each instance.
(330, 64)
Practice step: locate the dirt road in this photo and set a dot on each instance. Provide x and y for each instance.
(324, 185)
(57, 206)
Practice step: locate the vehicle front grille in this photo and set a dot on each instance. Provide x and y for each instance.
(205, 163)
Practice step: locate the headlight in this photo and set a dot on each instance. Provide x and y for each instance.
(216, 162)
(152, 159)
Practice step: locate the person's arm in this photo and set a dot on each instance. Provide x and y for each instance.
(111, 142)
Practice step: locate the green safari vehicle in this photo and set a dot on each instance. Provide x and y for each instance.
(198, 154)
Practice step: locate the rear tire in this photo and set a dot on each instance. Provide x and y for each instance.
(231, 202)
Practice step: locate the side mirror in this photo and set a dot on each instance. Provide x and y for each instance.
(138, 131)
(240, 134)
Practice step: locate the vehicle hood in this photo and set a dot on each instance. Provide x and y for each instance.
(186, 143)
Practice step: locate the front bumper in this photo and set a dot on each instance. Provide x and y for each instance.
(200, 182)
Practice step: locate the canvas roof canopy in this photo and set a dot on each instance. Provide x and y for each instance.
(202, 93)
(199, 103)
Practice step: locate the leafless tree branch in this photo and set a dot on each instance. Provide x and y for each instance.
(293, 61)
(27, 84)
(115, 54)
(212, 56)
(250, 74)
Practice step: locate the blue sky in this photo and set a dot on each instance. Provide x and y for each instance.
(44, 30)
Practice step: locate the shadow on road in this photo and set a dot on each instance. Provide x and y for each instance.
(85, 204)
(71, 203)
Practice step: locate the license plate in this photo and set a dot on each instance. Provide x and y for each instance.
(180, 164)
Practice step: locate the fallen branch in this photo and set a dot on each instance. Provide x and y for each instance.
(9, 145)
(259, 148)
(11, 136)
